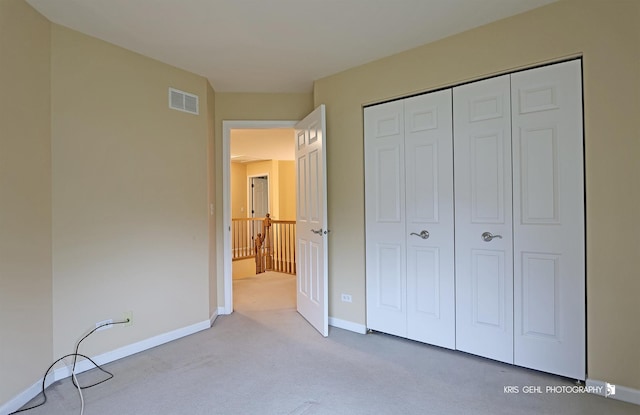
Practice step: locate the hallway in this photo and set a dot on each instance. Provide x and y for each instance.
(266, 291)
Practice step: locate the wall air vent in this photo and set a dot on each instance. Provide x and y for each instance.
(183, 101)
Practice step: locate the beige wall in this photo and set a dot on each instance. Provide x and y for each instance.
(282, 180)
(239, 190)
(607, 35)
(286, 190)
(254, 107)
(264, 168)
(25, 198)
(243, 268)
(130, 208)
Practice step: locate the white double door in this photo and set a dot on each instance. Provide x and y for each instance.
(518, 238)
(409, 218)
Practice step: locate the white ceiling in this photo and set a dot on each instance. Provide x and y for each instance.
(273, 45)
(262, 144)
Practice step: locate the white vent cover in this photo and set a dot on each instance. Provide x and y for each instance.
(183, 101)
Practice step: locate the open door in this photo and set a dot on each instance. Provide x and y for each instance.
(312, 233)
(259, 196)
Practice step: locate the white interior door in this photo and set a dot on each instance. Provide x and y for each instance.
(259, 205)
(311, 220)
(429, 219)
(549, 260)
(259, 196)
(483, 206)
(385, 219)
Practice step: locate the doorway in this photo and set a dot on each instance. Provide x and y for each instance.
(311, 237)
(227, 128)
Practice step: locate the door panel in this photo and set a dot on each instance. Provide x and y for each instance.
(549, 312)
(311, 221)
(422, 186)
(488, 288)
(385, 218)
(302, 262)
(391, 288)
(427, 293)
(484, 269)
(315, 171)
(539, 296)
(538, 186)
(315, 274)
(389, 177)
(302, 168)
(487, 168)
(429, 207)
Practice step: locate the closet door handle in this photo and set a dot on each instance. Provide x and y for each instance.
(488, 236)
(423, 234)
(317, 232)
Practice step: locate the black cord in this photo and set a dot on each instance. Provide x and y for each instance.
(75, 358)
(44, 394)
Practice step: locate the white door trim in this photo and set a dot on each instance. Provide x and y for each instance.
(227, 126)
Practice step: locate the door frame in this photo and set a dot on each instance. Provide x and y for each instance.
(227, 126)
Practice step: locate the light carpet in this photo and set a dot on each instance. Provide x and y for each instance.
(266, 359)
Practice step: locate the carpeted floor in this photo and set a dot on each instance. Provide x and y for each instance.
(266, 359)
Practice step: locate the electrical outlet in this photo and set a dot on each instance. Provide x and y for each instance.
(128, 315)
(346, 298)
(105, 323)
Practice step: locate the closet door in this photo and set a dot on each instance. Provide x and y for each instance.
(483, 215)
(385, 220)
(549, 251)
(409, 218)
(429, 219)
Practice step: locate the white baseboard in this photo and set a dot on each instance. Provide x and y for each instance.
(623, 393)
(25, 396)
(347, 325)
(84, 365)
(222, 311)
(213, 318)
